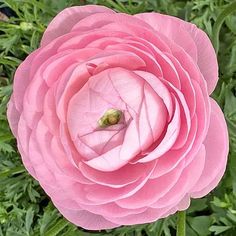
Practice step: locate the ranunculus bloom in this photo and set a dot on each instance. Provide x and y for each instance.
(169, 142)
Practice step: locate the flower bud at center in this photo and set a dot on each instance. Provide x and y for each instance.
(110, 117)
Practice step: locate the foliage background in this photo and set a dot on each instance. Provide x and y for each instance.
(25, 210)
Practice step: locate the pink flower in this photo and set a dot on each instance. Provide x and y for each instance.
(113, 117)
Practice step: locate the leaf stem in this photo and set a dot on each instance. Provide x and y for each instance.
(219, 21)
(181, 221)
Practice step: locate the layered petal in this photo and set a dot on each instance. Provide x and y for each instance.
(217, 148)
(66, 19)
(192, 39)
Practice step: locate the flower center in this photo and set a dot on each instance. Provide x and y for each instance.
(110, 117)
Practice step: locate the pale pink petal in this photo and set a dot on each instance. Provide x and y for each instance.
(152, 118)
(153, 190)
(119, 178)
(59, 62)
(150, 61)
(202, 51)
(161, 90)
(22, 79)
(79, 41)
(184, 116)
(169, 139)
(86, 219)
(217, 147)
(187, 88)
(111, 210)
(49, 115)
(98, 20)
(29, 165)
(98, 194)
(207, 60)
(71, 81)
(63, 162)
(172, 29)
(13, 116)
(43, 139)
(188, 178)
(147, 216)
(184, 203)
(109, 161)
(67, 18)
(140, 32)
(170, 160)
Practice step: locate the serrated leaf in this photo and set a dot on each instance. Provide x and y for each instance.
(49, 218)
(219, 229)
(6, 148)
(57, 228)
(232, 216)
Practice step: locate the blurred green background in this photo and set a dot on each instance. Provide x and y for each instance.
(25, 210)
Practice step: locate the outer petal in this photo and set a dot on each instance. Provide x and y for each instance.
(206, 57)
(217, 147)
(13, 116)
(22, 79)
(66, 19)
(86, 219)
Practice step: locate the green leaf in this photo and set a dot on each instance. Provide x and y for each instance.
(219, 229)
(29, 220)
(201, 224)
(197, 205)
(6, 148)
(217, 26)
(57, 228)
(156, 228)
(190, 231)
(49, 219)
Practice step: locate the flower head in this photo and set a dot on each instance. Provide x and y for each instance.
(113, 117)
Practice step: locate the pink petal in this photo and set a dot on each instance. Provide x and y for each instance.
(169, 139)
(184, 203)
(49, 115)
(202, 49)
(111, 210)
(172, 29)
(207, 60)
(98, 194)
(13, 116)
(67, 18)
(217, 148)
(170, 160)
(139, 31)
(153, 190)
(109, 161)
(160, 89)
(188, 178)
(98, 20)
(150, 61)
(147, 216)
(119, 178)
(80, 41)
(186, 85)
(22, 79)
(86, 219)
